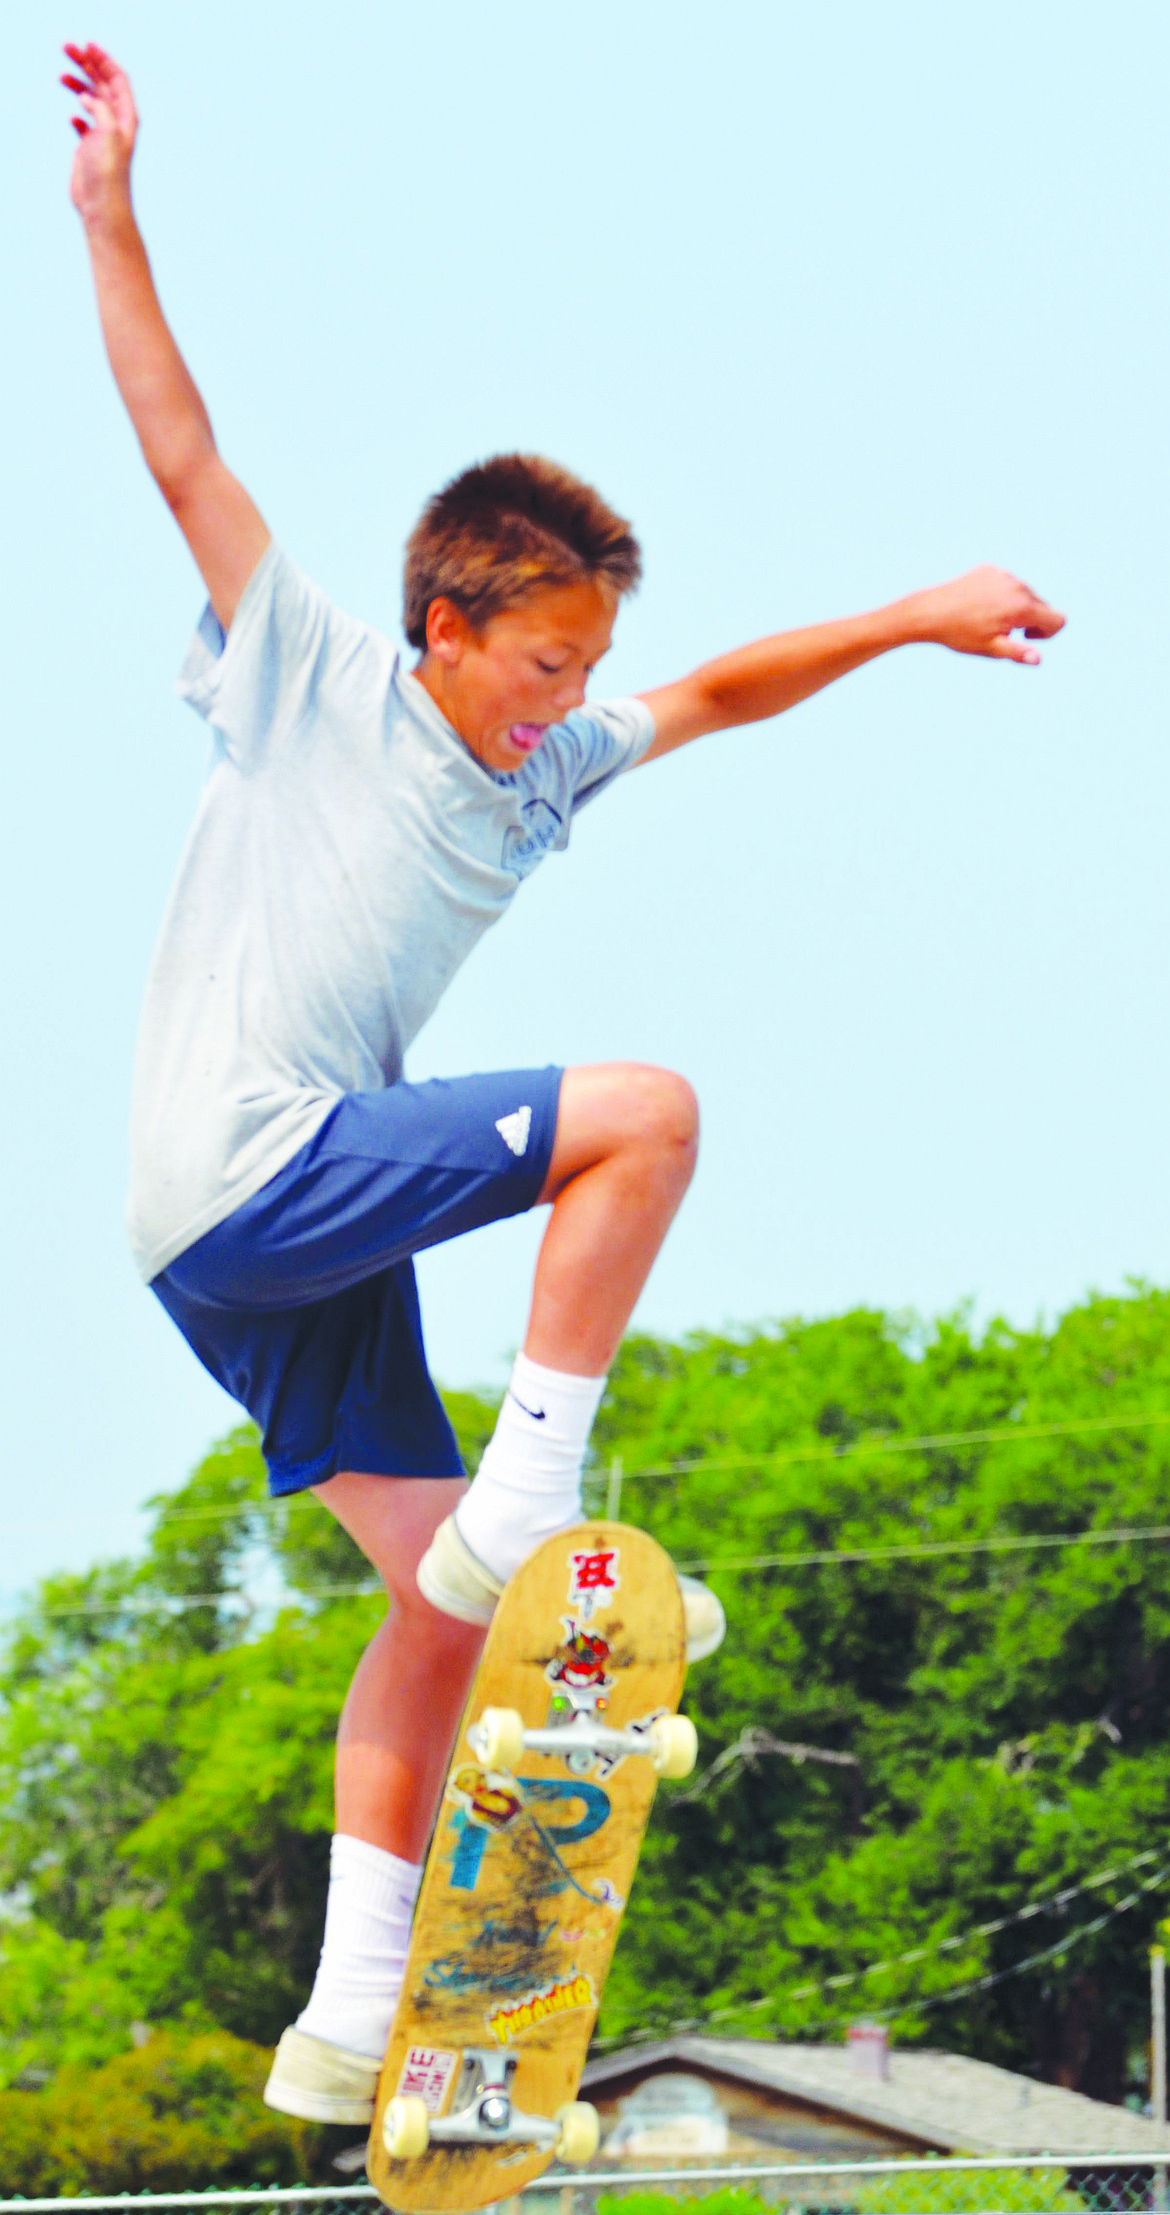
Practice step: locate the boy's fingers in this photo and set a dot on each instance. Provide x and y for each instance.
(74, 84)
(1006, 648)
(1038, 620)
(82, 129)
(93, 59)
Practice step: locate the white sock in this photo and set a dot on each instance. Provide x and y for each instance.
(367, 1930)
(528, 1484)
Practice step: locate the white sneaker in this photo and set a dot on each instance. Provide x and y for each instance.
(455, 1581)
(320, 2082)
(705, 1620)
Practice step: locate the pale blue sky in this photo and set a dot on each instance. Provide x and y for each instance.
(833, 302)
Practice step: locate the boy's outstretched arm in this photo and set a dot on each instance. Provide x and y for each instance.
(976, 614)
(224, 530)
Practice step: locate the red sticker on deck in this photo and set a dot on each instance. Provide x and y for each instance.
(592, 1577)
(426, 2075)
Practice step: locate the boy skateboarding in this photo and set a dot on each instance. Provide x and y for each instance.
(362, 824)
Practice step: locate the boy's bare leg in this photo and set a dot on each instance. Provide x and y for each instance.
(623, 1156)
(411, 1683)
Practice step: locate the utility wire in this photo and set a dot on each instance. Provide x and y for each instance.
(180, 1603)
(1034, 1961)
(1053, 1902)
(884, 1443)
(887, 1443)
(724, 1564)
(730, 1565)
(839, 1557)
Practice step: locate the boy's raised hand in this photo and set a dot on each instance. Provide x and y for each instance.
(221, 524)
(975, 614)
(978, 613)
(107, 128)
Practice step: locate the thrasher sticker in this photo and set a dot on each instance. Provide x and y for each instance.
(572, 1991)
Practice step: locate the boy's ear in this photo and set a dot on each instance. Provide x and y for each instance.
(448, 632)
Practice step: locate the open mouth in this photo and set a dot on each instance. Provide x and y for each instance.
(526, 736)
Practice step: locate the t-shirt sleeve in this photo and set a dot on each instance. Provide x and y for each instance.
(257, 682)
(605, 738)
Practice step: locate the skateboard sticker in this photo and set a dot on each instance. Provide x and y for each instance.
(426, 2074)
(487, 1796)
(579, 1669)
(488, 1803)
(593, 1576)
(575, 1990)
(605, 1764)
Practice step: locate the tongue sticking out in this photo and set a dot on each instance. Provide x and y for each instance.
(527, 736)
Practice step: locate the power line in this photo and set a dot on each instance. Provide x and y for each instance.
(1033, 1961)
(839, 1557)
(726, 1564)
(180, 1603)
(731, 1565)
(884, 1443)
(1054, 1902)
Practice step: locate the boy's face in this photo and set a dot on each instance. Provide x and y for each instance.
(502, 686)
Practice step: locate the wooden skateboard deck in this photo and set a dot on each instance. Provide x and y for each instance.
(530, 1866)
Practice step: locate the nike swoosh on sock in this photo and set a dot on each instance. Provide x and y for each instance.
(537, 1413)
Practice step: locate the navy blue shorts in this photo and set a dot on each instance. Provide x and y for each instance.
(303, 1302)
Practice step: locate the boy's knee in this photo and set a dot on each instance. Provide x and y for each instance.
(623, 1109)
(664, 1111)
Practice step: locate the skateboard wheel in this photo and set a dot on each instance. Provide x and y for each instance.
(580, 2132)
(500, 1735)
(404, 2129)
(674, 1745)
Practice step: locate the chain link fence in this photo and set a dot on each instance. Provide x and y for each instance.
(1049, 2184)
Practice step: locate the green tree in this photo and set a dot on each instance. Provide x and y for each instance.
(165, 1756)
(154, 2119)
(166, 1770)
(1006, 1711)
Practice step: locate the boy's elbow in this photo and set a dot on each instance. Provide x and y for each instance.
(718, 703)
(179, 451)
(180, 472)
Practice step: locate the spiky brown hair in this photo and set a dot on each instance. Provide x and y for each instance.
(503, 529)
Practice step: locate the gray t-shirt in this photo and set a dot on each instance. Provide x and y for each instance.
(347, 854)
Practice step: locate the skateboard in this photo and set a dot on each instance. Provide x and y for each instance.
(571, 1721)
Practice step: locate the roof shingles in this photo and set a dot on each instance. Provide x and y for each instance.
(946, 2101)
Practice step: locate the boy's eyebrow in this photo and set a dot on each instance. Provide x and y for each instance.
(570, 646)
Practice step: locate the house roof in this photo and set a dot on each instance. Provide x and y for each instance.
(947, 2102)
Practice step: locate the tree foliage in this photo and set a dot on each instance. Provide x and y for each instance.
(166, 1751)
(1006, 1709)
(151, 2121)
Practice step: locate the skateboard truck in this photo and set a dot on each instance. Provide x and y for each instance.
(483, 2115)
(500, 1739)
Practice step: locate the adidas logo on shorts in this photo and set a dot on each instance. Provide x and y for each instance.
(514, 1129)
